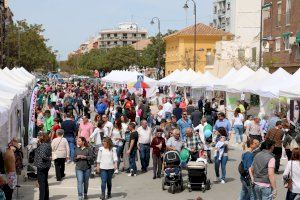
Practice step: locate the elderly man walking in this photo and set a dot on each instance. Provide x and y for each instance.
(144, 141)
(193, 144)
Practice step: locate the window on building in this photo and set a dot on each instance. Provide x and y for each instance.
(241, 54)
(277, 44)
(134, 35)
(108, 35)
(254, 54)
(279, 13)
(215, 9)
(115, 35)
(228, 6)
(115, 42)
(227, 21)
(108, 43)
(288, 12)
(286, 40)
(124, 42)
(143, 35)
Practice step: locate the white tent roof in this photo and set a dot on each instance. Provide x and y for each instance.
(3, 115)
(247, 85)
(170, 78)
(292, 88)
(22, 75)
(241, 75)
(225, 80)
(186, 78)
(125, 77)
(8, 86)
(206, 81)
(270, 87)
(26, 72)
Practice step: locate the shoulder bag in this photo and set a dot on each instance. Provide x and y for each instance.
(54, 156)
(289, 182)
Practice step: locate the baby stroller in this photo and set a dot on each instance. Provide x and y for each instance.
(173, 175)
(197, 175)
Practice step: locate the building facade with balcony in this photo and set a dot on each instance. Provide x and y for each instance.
(281, 33)
(239, 17)
(180, 47)
(125, 34)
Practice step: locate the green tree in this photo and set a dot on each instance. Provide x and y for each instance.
(151, 53)
(120, 58)
(26, 46)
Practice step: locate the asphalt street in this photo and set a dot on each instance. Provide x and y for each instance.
(144, 187)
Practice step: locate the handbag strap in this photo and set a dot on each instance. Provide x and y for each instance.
(58, 144)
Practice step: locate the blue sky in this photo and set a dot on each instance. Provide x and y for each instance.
(68, 23)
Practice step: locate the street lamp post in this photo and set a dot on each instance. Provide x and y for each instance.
(195, 29)
(159, 39)
(137, 51)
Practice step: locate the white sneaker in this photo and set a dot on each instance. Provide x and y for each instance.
(116, 171)
(217, 179)
(222, 181)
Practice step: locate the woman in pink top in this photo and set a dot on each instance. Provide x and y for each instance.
(85, 129)
(182, 104)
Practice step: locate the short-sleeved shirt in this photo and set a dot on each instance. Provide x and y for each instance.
(134, 136)
(172, 142)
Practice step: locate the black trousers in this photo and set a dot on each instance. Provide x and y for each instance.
(288, 153)
(194, 155)
(7, 191)
(42, 176)
(277, 152)
(59, 168)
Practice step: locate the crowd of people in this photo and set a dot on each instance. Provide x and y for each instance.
(103, 131)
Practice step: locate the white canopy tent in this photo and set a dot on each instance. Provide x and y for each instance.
(126, 77)
(14, 76)
(291, 88)
(270, 87)
(219, 84)
(170, 78)
(248, 84)
(206, 81)
(186, 78)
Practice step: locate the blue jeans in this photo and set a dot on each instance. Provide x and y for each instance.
(71, 142)
(238, 129)
(263, 193)
(82, 181)
(106, 179)
(119, 152)
(247, 192)
(132, 164)
(221, 163)
(145, 155)
(290, 195)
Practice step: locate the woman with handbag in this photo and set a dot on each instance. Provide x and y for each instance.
(291, 175)
(60, 152)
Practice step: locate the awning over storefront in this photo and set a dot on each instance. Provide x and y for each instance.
(298, 37)
(286, 35)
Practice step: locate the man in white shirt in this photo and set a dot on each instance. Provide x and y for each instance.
(168, 109)
(108, 126)
(144, 141)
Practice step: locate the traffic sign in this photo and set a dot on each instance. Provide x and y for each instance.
(140, 78)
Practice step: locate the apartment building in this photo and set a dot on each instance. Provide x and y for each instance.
(126, 33)
(281, 33)
(239, 17)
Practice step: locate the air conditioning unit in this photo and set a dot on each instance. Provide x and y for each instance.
(292, 40)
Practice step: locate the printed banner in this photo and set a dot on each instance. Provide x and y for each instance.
(31, 123)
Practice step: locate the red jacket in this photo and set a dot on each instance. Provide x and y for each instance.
(156, 141)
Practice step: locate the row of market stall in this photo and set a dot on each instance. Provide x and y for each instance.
(236, 84)
(15, 91)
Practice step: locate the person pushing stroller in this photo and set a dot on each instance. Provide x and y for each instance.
(193, 144)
